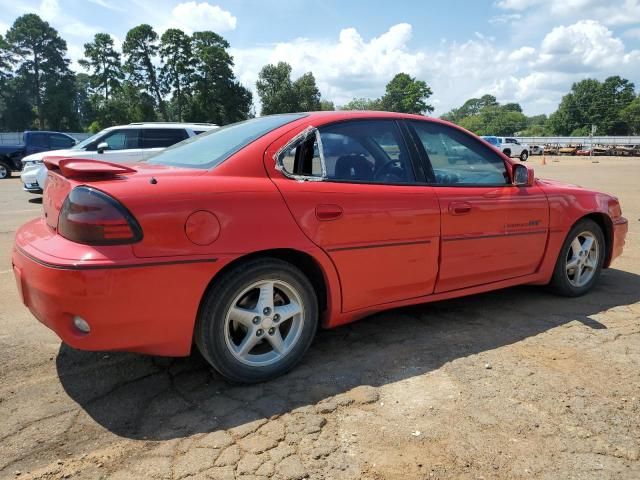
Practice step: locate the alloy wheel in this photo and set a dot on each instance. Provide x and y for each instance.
(582, 259)
(264, 322)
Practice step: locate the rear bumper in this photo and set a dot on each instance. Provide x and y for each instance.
(139, 307)
(620, 229)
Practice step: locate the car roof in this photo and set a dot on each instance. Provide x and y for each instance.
(192, 126)
(47, 131)
(174, 125)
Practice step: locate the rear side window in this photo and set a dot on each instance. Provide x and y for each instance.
(367, 151)
(60, 141)
(39, 140)
(162, 137)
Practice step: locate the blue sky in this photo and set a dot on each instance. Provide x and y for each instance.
(527, 51)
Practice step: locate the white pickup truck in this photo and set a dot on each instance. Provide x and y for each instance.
(512, 148)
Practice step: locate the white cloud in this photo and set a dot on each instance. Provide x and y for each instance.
(535, 75)
(608, 12)
(505, 18)
(632, 33)
(584, 46)
(195, 16)
(346, 68)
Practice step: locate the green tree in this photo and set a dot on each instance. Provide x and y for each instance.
(362, 104)
(217, 95)
(591, 102)
(327, 106)
(83, 102)
(407, 95)
(275, 89)
(103, 63)
(473, 106)
(141, 49)
(176, 74)
(631, 116)
(43, 71)
(307, 93)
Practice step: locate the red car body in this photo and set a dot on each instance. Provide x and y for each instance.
(366, 247)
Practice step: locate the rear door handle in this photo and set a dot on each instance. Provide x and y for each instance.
(459, 208)
(326, 213)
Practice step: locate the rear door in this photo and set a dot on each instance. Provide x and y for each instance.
(491, 229)
(353, 190)
(157, 139)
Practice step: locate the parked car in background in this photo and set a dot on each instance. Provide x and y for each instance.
(120, 144)
(511, 147)
(244, 241)
(536, 150)
(493, 141)
(32, 142)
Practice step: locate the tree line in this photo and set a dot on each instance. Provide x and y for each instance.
(173, 77)
(612, 106)
(181, 77)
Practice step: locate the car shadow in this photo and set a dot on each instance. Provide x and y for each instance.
(36, 200)
(154, 398)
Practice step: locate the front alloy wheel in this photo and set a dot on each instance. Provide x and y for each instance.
(257, 321)
(4, 171)
(580, 261)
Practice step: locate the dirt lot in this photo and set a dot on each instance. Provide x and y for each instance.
(511, 384)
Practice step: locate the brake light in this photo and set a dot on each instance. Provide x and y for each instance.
(92, 217)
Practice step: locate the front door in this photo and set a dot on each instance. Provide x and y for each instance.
(368, 211)
(491, 229)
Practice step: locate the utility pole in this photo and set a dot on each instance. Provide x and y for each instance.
(594, 128)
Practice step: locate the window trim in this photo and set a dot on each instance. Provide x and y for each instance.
(424, 157)
(304, 135)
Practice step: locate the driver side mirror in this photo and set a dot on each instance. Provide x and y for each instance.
(523, 176)
(102, 147)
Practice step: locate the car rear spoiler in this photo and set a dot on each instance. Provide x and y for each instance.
(85, 167)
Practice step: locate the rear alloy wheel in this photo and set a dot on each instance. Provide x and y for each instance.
(258, 321)
(5, 171)
(580, 261)
(524, 155)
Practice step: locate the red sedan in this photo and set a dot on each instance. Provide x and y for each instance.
(246, 239)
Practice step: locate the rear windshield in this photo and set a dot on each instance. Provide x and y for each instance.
(210, 149)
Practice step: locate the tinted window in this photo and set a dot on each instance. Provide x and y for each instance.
(459, 159)
(119, 140)
(60, 141)
(214, 147)
(358, 151)
(162, 137)
(40, 140)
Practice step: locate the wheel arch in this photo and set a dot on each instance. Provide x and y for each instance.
(605, 223)
(309, 265)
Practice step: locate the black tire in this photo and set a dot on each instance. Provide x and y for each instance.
(507, 152)
(210, 327)
(5, 170)
(560, 283)
(524, 155)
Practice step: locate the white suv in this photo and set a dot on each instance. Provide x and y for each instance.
(512, 148)
(120, 144)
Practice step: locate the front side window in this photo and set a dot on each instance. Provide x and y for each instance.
(162, 137)
(369, 151)
(458, 159)
(119, 140)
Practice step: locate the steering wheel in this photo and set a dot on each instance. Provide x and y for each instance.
(388, 165)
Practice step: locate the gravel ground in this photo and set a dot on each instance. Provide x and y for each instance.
(511, 384)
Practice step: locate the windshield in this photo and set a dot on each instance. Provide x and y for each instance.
(82, 145)
(209, 149)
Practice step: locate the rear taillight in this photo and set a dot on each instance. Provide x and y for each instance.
(92, 217)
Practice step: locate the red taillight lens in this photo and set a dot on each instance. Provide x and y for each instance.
(92, 217)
